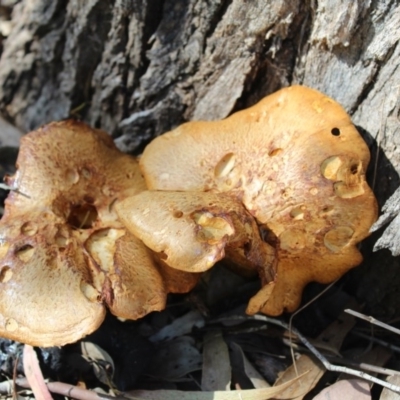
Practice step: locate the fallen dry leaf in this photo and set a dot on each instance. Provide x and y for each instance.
(251, 394)
(180, 326)
(332, 337)
(102, 363)
(216, 371)
(313, 371)
(175, 359)
(248, 369)
(34, 374)
(349, 389)
(389, 394)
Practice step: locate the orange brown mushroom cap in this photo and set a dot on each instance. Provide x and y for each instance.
(84, 231)
(45, 283)
(63, 251)
(297, 164)
(191, 231)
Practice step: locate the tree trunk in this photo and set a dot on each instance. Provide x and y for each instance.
(137, 68)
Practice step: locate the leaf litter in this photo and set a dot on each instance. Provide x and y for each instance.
(219, 353)
(216, 365)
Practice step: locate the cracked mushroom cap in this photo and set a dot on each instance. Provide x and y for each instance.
(298, 164)
(63, 252)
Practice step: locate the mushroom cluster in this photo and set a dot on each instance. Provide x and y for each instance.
(279, 189)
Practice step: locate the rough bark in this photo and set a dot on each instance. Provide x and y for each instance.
(138, 68)
(390, 239)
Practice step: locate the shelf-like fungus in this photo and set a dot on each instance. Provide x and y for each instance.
(298, 165)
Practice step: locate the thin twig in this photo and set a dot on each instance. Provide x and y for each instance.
(365, 367)
(317, 354)
(6, 187)
(340, 360)
(14, 385)
(297, 312)
(61, 388)
(374, 321)
(381, 342)
(84, 220)
(328, 351)
(324, 361)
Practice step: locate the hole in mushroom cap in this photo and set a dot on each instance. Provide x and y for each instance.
(330, 167)
(297, 213)
(72, 176)
(107, 191)
(163, 255)
(354, 168)
(335, 131)
(46, 216)
(227, 173)
(349, 172)
(338, 237)
(25, 253)
(87, 174)
(11, 325)
(346, 172)
(275, 152)
(326, 210)
(29, 229)
(178, 214)
(61, 241)
(225, 165)
(61, 238)
(212, 228)
(5, 274)
(348, 191)
(286, 193)
(82, 216)
(292, 240)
